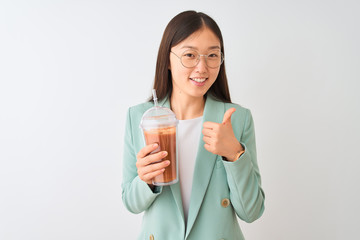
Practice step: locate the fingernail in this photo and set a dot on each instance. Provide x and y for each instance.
(155, 145)
(164, 154)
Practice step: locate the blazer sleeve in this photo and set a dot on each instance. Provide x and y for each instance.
(136, 194)
(246, 194)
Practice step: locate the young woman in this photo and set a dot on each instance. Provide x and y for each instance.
(219, 175)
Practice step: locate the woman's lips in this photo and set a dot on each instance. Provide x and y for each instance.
(198, 81)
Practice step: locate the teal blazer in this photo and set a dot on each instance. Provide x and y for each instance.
(221, 190)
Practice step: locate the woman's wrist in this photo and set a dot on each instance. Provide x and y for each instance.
(235, 156)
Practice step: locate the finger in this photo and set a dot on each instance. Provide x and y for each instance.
(146, 150)
(208, 140)
(153, 158)
(154, 167)
(227, 115)
(208, 132)
(210, 125)
(207, 147)
(149, 176)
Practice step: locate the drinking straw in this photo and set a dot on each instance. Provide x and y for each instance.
(154, 97)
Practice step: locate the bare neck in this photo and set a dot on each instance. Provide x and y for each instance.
(187, 107)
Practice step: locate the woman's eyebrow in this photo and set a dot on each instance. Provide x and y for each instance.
(192, 47)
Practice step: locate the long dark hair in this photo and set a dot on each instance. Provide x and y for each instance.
(178, 29)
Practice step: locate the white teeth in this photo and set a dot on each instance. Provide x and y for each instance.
(200, 80)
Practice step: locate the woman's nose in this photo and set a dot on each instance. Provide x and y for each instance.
(201, 66)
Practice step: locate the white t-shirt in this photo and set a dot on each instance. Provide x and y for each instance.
(189, 132)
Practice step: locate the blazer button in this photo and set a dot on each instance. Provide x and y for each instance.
(225, 202)
(151, 237)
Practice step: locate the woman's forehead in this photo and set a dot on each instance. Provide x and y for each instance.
(203, 39)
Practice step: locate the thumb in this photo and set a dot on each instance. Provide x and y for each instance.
(227, 115)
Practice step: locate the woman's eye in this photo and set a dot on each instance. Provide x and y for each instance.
(189, 55)
(213, 55)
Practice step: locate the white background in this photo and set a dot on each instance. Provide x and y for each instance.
(70, 69)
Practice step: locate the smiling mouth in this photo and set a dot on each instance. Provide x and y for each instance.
(199, 80)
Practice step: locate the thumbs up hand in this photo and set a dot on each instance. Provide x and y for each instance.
(219, 138)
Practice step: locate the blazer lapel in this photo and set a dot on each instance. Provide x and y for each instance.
(205, 161)
(175, 188)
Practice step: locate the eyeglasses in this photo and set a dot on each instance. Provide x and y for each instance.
(190, 58)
